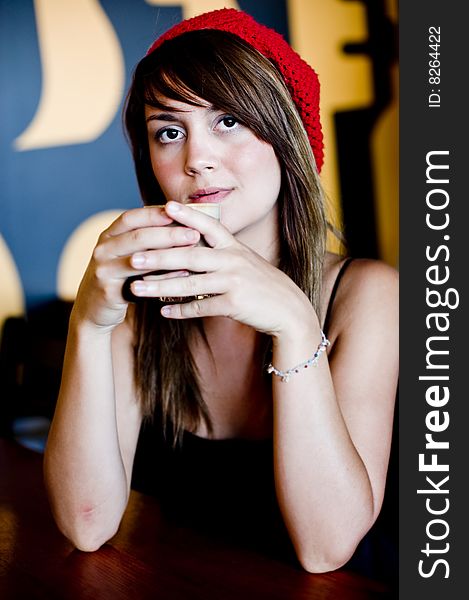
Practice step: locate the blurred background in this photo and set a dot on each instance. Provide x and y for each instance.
(66, 170)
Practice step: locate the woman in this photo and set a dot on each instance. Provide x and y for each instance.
(222, 110)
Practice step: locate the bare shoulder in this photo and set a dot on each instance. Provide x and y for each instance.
(368, 293)
(369, 280)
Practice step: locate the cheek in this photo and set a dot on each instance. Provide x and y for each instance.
(164, 171)
(259, 162)
(264, 171)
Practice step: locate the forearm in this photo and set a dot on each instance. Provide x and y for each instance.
(94, 434)
(322, 484)
(84, 470)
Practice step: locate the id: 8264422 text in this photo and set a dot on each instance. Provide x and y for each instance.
(434, 67)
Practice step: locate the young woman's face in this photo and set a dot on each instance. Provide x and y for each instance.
(200, 154)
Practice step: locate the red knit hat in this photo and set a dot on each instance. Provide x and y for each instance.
(300, 79)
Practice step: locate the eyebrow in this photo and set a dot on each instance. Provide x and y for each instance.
(168, 117)
(171, 115)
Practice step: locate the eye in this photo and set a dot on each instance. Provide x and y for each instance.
(228, 122)
(169, 134)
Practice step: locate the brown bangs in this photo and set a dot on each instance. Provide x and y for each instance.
(161, 84)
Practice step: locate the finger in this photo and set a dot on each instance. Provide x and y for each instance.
(184, 285)
(108, 267)
(206, 307)
(145, 216)
(139, 240)
(163, 275)
(130, 285)
(194, 258)
(213, 231)
(115, 269)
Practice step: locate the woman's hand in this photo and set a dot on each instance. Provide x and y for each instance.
(99, 300)
(248, 288)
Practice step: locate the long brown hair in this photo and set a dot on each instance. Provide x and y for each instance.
(229, 74)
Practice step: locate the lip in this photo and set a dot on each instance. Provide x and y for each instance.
(212, 195)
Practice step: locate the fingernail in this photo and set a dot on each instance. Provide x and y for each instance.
(138, 260)
(173, 207)
(138, 287)
(166, 311)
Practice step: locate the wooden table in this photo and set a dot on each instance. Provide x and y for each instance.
(148, 558)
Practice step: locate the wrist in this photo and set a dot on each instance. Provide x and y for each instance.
(296, 368)
(299, 344)
(84, 329)
(301, 325)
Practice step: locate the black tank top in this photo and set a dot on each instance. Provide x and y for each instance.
(327, 320)
(225, 486)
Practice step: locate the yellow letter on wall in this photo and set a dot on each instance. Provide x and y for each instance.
(11, 295)
(83, 74)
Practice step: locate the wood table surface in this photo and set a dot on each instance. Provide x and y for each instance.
(148, 558)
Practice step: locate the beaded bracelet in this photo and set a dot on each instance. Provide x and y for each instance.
(285, 375)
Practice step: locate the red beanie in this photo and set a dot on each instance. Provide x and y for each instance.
(300, 79)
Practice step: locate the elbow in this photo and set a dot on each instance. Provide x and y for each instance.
(87, 530)
(326, 559)
(315, 564)
(333, 547)
(322, 564)
(87, 543)
(86, 524)
(337, 547)
(85, 538)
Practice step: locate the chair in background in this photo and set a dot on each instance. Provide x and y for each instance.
(31, 356)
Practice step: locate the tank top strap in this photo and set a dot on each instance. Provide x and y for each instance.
(342, 270)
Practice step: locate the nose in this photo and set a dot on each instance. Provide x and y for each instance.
(201, 156)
